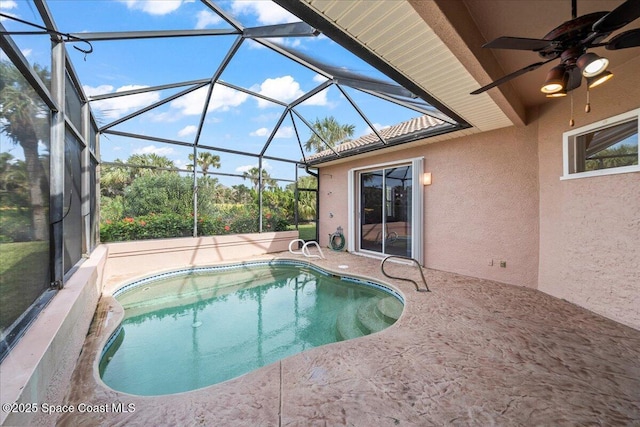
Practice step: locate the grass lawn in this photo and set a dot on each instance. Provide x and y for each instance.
(24, 271)
(306, 231)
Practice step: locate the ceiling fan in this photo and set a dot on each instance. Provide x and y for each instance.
(570, 42)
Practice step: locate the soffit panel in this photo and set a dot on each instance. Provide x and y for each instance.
(397, 34)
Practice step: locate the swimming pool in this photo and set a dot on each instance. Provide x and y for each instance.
(196, 327)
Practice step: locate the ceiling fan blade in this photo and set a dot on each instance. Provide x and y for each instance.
(624, 40)
(517, 43)
(618, 17)
(511, 76)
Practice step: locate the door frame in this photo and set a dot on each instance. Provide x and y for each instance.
(417, 208)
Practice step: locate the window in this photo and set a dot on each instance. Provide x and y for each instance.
(603, 148)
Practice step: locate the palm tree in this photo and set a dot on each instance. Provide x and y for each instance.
(114, 179)
(253, 175)
(205, 161)
(23, 117)
(240, 193)
(152, 163)
(332, 132)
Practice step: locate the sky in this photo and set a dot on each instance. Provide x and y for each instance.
(234, 119)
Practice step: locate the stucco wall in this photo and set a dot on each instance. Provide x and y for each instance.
(498, 196)
(482, 205)
(141, 258)
(590, 227)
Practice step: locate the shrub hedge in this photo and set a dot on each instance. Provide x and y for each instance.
(234, 219)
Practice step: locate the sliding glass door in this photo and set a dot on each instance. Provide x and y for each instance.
(386, 208)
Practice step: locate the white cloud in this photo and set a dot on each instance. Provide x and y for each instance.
(152, 7)
(267, 12)
(119, 106)
(260, 132)
(98, 90)
(164, 117)
(180, 164)
(188, 130)
(319, 78)
(5, 7)
(283, 89)
(319, 98)
(152, 149)
(284, 132)
(8, 4)
(245, 168)
(27, 52)
(222, 99)
(206, 18)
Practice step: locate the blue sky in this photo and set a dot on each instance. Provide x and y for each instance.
(235, 120)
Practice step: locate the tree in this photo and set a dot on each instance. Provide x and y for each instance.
(332, 132)
(159, 193)
(613, 157)
(114, 179)
(153, 164)
(240, 193)
(14, 182)
(253, 175)
(306, 199)
(24, 118)
(205, 161)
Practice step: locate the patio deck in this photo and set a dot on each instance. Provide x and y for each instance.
(471, 352)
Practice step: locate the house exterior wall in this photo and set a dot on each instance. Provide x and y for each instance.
(497, 196)
(469, 216)
(590, 227)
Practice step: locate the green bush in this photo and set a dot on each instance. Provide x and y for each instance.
(167, 191)
(228, 219)
(146, 227)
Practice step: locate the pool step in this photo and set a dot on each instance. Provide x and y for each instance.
(346, 325)
(370, 316)
(391, 308)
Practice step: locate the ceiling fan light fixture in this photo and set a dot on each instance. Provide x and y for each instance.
(591, 64)
(599, 79)
(556, 80)
(558, 94)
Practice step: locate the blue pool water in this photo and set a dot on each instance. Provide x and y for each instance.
(190, 329)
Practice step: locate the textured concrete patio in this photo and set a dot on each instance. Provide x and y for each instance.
(471, 352)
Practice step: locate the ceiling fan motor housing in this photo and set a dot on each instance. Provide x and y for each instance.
(576, 33)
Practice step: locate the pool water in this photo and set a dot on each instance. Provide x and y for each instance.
(192, 330)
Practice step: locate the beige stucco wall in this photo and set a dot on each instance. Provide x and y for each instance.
(498, 196)
(590, 227)
(482, 205)
(141, 258)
